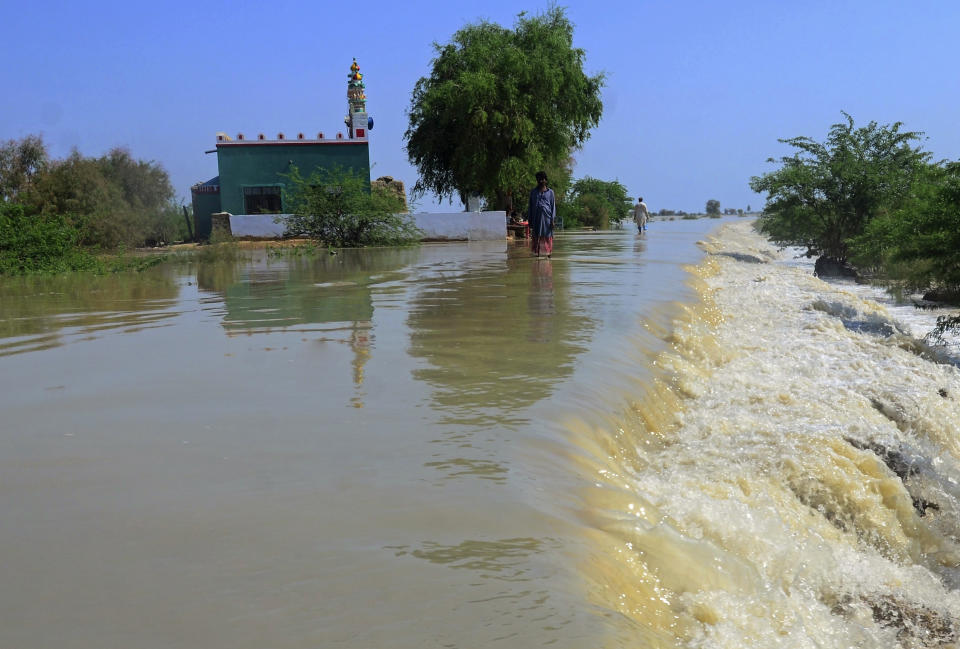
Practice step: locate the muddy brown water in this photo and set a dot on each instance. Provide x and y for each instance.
(369, 449)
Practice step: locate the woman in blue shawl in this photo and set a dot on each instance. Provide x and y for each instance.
(540, 214)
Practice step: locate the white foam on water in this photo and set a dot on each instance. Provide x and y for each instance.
(805, 491)
(903, 310)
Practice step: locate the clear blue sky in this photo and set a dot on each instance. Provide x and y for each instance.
(697, 92)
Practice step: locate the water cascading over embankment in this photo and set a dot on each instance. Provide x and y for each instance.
(791, 478)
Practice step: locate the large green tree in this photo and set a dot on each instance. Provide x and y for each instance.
(825, 194)
(499, 105)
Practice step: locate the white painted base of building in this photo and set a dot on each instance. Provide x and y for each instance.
(462, 226)
(257, 226)
(450, 226)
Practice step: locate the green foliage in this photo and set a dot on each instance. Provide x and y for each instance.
(339, 208)
(32, 243)
(227, 251)
(306, 250)
(945, 325)
(919, 243)
(114, 201)
(500, 105)
(713, 207)
(592, 211)
(117, 201)
(595, 203)
(826, 193)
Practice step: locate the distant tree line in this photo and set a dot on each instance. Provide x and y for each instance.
(58, 213)
(868, 199)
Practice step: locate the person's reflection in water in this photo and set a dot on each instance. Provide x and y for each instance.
(640, 244)
(540, 302)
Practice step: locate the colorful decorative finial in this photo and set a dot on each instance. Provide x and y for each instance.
(356, 118)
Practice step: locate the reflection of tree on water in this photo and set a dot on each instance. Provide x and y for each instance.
(497, 340)
(328, 294)
(42, 307)
(281, 298)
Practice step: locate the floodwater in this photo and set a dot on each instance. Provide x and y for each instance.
(447, 446)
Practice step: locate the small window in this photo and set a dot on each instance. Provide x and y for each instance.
(262, 200)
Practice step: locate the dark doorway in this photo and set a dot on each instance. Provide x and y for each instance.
(262, 200)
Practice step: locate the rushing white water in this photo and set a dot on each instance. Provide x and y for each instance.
(793, 479)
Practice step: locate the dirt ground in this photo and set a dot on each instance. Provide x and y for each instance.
(247, 244)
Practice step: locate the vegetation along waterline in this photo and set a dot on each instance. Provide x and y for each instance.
(870, 200)
(81, 213)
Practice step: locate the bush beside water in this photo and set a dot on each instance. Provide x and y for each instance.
(49, 244)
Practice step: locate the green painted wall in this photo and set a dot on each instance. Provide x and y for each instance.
(203, 206)
(263, 163)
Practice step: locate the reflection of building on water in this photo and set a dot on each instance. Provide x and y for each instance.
(329, 298)
(269, 301)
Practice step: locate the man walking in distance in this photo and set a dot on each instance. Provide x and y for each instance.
(640, 215)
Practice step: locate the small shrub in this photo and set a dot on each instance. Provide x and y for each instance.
(340, 209)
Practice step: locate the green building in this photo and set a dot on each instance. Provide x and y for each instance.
(252, 171)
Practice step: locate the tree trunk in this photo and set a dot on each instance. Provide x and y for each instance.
(833, 267)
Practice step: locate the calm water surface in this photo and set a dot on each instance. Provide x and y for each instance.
(370, 449)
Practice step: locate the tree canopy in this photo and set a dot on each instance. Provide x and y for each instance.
(919, 243)
(825, 194)
(500, 105)
(20, 161)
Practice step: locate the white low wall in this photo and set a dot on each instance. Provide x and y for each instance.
(459, 226)
(451, 226)
(258, 226)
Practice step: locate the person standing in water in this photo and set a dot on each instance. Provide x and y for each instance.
(540, 214)
(640, 215)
